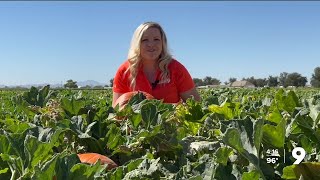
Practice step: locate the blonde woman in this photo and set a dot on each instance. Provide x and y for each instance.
(151, 68)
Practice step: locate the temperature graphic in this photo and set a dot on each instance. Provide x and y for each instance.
(272, 156)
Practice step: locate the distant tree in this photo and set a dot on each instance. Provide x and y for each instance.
(111, 82)
(315, 79)
(98, 87)
(251, 80)
(198, 82)
(211, 81)
(19, 88)
(257, 82)
(87, 87)
(231, 80)
(272, 81)
(260, 82)
(283, 79)
(295, 79)
(71, 84)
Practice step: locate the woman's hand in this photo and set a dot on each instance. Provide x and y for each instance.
(115, 97)
(188, 94)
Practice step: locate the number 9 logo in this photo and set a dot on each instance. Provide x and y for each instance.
(299, 157)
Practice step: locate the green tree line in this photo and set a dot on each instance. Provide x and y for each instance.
(285, 79)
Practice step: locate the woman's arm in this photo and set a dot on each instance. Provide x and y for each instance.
(188, 94)
(115, 97)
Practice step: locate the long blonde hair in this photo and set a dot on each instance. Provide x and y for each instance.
(134, 56)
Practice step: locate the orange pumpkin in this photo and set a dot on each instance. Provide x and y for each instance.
(92, 158)
(124, 98)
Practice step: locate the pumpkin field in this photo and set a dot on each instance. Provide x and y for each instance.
(247, 134)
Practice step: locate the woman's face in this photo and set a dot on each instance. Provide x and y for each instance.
(151, 45)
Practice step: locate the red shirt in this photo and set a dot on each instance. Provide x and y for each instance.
(167, 90)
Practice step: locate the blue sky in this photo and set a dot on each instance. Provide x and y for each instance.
(51, 42)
